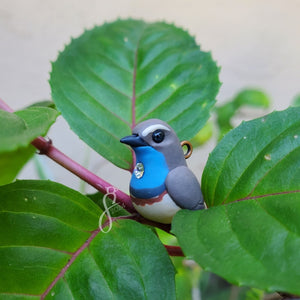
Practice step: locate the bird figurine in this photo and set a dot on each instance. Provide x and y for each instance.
(161, 183)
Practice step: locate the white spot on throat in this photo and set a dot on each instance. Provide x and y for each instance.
(154, 127)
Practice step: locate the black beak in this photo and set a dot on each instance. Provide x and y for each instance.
(133, 141)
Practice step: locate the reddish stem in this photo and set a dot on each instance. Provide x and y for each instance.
(98, 183)
(174, 250)
(70, 262)
(45, 147)
(5, 107)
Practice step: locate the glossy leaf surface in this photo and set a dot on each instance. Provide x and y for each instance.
(257, 158)
(51, 246)
(251, 243)
(19, 129)
(255, 172)
(119, 74)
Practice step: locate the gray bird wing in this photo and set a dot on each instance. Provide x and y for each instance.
(184, 188)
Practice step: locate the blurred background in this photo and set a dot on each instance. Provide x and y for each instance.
(256, 43)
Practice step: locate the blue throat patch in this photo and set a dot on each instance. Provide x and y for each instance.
(152, 182)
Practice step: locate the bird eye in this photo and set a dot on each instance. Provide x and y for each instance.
(158, 136)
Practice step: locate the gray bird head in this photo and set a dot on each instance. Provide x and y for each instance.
(160, 136)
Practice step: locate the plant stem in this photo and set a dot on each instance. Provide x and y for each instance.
(98, 183)
(5, 107)
(45, 147)
(174, 250)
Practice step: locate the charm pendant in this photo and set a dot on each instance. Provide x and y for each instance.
(139, 170)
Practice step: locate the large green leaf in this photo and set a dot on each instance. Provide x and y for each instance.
(18, 129)
(121, 73)
(259, 157)
(12, 162)
(254, 240)
(253, 243)
(51, 246)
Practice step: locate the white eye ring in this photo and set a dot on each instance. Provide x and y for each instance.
(152, 128)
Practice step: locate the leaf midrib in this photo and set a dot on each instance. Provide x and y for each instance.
(48, 192)
(231, 151)
(45, 217)
(276, 138)
(70, 262)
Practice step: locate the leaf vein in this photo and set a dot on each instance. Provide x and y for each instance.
(101, 54)
(68, 286)
(95, 124)
(70, 262)
(231, 151)
(240, 242)
(94, 99)
(48, 192)
(91, 70)
(39, 247)
(266, 174)
(163, 102)
(276, 219)
(99, 268)
(44, 216)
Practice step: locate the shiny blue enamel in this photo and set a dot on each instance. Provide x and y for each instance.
(156, 170)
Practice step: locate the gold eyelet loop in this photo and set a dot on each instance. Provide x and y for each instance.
(189, 151)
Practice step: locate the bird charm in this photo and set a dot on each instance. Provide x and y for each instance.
(161, 183)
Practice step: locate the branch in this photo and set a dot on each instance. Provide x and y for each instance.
(5, 107)
(174, 250)
(98, 183)
(45, 147)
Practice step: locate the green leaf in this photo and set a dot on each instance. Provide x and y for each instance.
(122, 73)
(12, 162)
(247, 97)
(51, 245)
(19, 129)
(254, 294)
(203, 135)
(44, 103)
(108, 205)
(257, 158)
(252, 243)
(296, 100)
(252, 97)
(257, 167)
